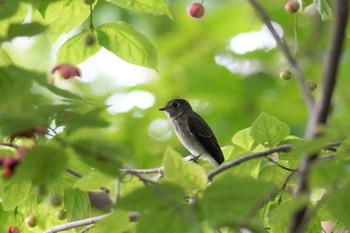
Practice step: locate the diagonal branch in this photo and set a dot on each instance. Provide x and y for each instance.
(218, 170)
(286, 52)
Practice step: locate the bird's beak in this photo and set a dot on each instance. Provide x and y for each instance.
(162, 109)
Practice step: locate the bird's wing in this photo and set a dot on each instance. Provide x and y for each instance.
(201, 130)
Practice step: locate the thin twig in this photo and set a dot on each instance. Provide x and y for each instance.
(218, 170)
(286, 51)
(158, 170)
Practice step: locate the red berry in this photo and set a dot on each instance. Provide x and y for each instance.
(12, 229)
(67, 71)
(31, 221)
(196, 10)
(292, 6)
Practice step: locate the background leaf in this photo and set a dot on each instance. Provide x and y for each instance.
(186, 174)
(128, 44)
(268, 130)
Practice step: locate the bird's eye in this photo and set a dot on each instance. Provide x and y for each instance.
(175, 104)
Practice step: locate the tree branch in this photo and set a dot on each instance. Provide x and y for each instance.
(320, 113)
(218, 170)
(79, 223)
(285, 50)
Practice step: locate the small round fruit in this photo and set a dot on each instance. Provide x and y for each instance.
(31, 221)
(292, 6)
(196, 10)
(311, 85)
(285, 75)
(55, 200)
(12, 229)
(89, 40)
(89, 2)
(61, 214)
(67, 71)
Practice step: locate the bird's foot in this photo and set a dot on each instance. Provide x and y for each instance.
(195, 158)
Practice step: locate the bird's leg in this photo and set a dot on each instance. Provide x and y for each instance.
(195, 158)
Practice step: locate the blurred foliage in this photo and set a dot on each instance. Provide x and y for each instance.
(239, 94)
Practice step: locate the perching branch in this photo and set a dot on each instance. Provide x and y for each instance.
(218, 170)
(287, 53)
(320, 113)
(75, 224)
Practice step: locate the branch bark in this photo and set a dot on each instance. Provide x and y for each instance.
(218, 170)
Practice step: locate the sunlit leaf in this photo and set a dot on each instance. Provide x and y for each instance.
(268, 130)
(128, 44)
(14, 192)
(147, 6)
(188, 175)
(76, 50)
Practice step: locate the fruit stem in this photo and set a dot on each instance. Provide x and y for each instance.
(91, 26)
(296, 33)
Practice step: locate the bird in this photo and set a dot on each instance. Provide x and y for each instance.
(193, 132)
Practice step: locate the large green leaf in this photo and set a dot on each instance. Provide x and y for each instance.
(162, 209)
(75, 50)
(14, 192)
(76, 202)
(63, 16)
(128, 44)
(268, 130)
(147, 6)
(229, 200)
(188, 175)
(42, 165)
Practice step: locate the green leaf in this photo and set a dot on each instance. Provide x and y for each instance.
(74, 51)
(163, 209)
(268, 130)
(274, 174)
(168, 220)
(324, 8)
(128, 44)
(244, 139)
(29, 29)
(152, 197)
(118, 222)
(238, 196)
(14, 192)
(94, 181)
(76, 203)
(63, 16)
(42, 165)
(147, 6)
(306, 3)
(101, 154)
(186, 174)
